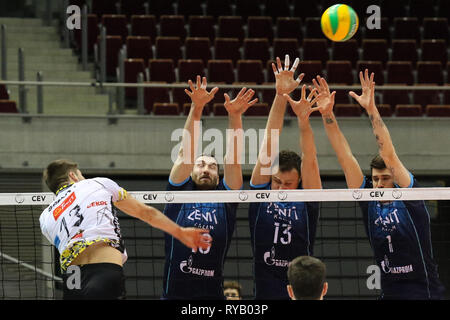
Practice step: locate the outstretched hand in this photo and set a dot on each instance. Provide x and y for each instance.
(241, 103)
(284, 78)
(367, 98)
(199, 95)
(302, 108)
(195, 238)
(325, 99)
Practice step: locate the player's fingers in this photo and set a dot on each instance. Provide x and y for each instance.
(286, 62)
(294, 66)
(324, 84)
(227, 98)
(316, 85)
(303, 96)
(188, 92)
(249, 94)
(361, 78)
(191, 85)
(289, 99)
(204, 83)
(252, 102)
(241, 93)
(300, 78)
(275, 71)
(280, 68)
(198, 82)
(214, 91)
(313, 101)
(311, 94)
(353, 95)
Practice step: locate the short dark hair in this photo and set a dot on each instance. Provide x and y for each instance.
(306, 275)
(232, 285)
(377, 163)
(57, 173)
(288, 160)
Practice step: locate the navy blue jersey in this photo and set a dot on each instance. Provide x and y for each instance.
(280, 232)
(399, 233)
(189, 275)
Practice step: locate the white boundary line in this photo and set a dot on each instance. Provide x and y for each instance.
(245, 196)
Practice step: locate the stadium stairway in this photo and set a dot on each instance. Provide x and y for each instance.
(43, 52)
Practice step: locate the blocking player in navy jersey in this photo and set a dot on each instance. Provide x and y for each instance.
(82, 224)
(398, 231)
(281, 231)
(190, 275)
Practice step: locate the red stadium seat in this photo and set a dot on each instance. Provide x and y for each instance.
(231, 27)
(268, 94)
(435, 28)
(311, 69)
(347, 110)
(250, 71)
(219, 109)
(260, 27)
(315, 49)
(434, 50)
(152, 95)
(139, 47)
(313, 29)
(424, 97)
(408, 110)
(161, 7)
(132, 68)
(166, 109)
(93, 32)
(116, 25)
(162, 70)
(189, 69)
(289, 27)
(220, 71)
(375, 50)
(246, 8)
(438, 110)
(202, 26)
(187, 108)
(288, 46)
(339, 72)
(430, 72)
(4, 95)
(395, 97)
(372, 66)
(404, 50)
(172, 26)
(395, 8)
(198, 48)
(406, 28)
(382, 33)
(258, 109)
(399, 72)
(421, 9)
(130, 7)
(7, 106)
(447, 93)
(385, 110)
(113, 46)
(444, 9)
(168, 48)
(190, 7)
(227, 48)
(144, 25)
(256, 49)
(346, 50)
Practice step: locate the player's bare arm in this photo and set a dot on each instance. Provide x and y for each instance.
(325, 103)
(284, 84)
(310, 167)
(191, 237)
(186, 155)
(235, 109)
(381, 132)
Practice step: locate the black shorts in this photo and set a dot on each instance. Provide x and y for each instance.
(97, 281)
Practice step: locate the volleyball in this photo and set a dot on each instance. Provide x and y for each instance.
(339, 22)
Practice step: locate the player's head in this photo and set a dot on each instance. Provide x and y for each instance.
(382, 177)
(286, 172)
(61, 172)
(306, 276)
(232, 290)
(205, 172)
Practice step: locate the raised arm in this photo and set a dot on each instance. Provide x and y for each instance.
(349, 164)
(284, 84)
(235, 136)
(191, 237)
(186, 155)
(381, 132)
(310, 167)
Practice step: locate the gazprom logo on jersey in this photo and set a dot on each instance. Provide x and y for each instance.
(269, 259)
(186, 267)
(63, 206)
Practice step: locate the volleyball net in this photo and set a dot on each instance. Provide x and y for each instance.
(29, 264)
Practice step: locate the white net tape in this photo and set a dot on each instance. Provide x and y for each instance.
(237, 196)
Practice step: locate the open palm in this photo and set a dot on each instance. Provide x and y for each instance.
(284, 78)
(199, 95)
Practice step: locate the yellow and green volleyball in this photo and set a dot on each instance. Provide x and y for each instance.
(339, 22)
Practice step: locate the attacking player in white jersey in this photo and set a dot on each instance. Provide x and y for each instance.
(82, 224)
